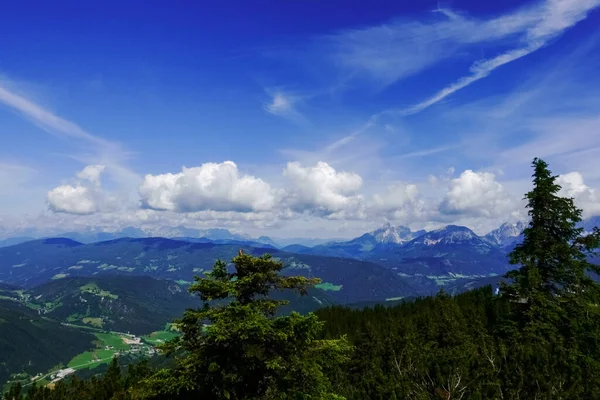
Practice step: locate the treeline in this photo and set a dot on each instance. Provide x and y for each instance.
(538, 339)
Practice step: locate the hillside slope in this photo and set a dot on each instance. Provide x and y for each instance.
(32, 343)
(136, 304)
(36, 262)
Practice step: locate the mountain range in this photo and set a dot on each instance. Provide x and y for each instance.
(36, 262)
(389, 262)
(92, 235)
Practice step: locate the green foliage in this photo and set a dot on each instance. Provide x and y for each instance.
(139, 305)
(556, 313)
(31, 343)
(245, 352)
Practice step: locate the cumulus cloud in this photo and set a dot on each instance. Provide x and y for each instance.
(84, 197)
(73, 199)
(323, 190)
(477, 194)
(573, 185)
(400, 202)
(91, 173)
(211, 186)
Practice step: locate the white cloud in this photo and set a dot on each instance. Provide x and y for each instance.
(73, 200)
(323, 190)
(284, 105)
(84, 197)
(91, 173)
(477, 194)
(211, 186)
(400, 202)
(573, 185)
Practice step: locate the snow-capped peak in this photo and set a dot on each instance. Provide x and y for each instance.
(506, 232)
(390, 234)
(451, 234)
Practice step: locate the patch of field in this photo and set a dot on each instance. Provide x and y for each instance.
(19, 265)
(150, 268)
(76, 267)
(79, 359)
(107, 267)
(33, 306)
(91, 359)
(329, 287)
(95, 290)
(51, 305)
(126, 269)
(112, 339)
(294, 264)
(394, 298)
(87, 262)
(442, 280)
(172, 269)
(74, 317)
(159, 337)
(183, 282)
(97, 322)
(60, 276)
(198, 270)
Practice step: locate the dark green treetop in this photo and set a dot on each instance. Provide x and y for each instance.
(554, 254)
(235, 348)
(555, 321)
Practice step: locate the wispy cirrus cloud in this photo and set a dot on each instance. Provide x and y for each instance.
(535, 28)
(403, 48)
(283, 104)
(97, 149)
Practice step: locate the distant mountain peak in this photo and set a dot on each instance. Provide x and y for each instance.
(390, 234)
(506, 234)
(451, 234)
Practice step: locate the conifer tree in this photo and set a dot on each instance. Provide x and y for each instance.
(556, 313)
(554, 254)
(238, 349)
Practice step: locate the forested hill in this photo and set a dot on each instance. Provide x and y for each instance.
(346, 280)
(32, 343)
(136, 304)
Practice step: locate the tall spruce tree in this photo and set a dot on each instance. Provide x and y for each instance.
(556, 302)
(237, 349)
(554, 254)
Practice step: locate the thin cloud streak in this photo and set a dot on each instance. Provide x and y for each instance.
(45, 119)
(101, 150)
(555, 16)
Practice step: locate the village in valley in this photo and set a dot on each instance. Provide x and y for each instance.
(109, 345)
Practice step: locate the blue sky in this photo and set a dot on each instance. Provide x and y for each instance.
(293, 118)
